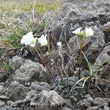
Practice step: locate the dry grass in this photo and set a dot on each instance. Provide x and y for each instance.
(12, 28)
(14, 7)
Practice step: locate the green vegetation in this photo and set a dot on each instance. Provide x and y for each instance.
(1, 52)
(4, 68)
(14, 7)
(12, 28)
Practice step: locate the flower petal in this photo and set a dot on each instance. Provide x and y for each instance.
(77, 31)
(59, 44)
(27, 39)
(89, 32)
(42, 40)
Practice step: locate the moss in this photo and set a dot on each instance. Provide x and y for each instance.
(107, 30)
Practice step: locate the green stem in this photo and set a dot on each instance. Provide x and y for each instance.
(55, 64)
(44, 62)
(80, 59)
(59, 73)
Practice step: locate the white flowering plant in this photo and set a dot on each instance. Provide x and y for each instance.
(36, 43)
(29, 39)
(83, 34)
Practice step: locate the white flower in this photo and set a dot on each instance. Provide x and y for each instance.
(29, 39)
(77, 31)
(59, 44)
(88, 32)
(42, 40)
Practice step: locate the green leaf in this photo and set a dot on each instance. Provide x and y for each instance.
(89, 65)
(101, 66)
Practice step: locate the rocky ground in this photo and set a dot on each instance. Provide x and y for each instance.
(29, 85)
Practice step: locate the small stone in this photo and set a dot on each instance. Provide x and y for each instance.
(2, 103)
(16, 91)
(69, 103)
(93, 108)
(9, 103)
(106, 27)
(40, 86)
(17, 103)
(66, 108)
(106, 108)
(74, 99)
(3, 97)
(89, 98)
(30, 94)
(6, 108)
(47, 100)
(108, 101)
(1, 88)
(98, 101)
(85, 102)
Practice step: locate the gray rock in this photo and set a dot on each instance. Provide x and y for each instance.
(85, 103)
(88, 96)
(66, 108)
(31, 71)
(100, 101)
(47, 100)
(6, 108)
(40, 86)
(69, 103)
(1, 88)
(93, 108)
(9, 103)
(71, 16)
(67, 8)
(108, 101)
(3, 97)
(30, 95)
(106, 108)
(106, 27)
(74, 99)
(104, 56)
(16, 62)
(104, 74)
(16, 91)
(94, 104)
(17, 103)
(68, 12)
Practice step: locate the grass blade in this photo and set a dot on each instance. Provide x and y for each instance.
(89, 65)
